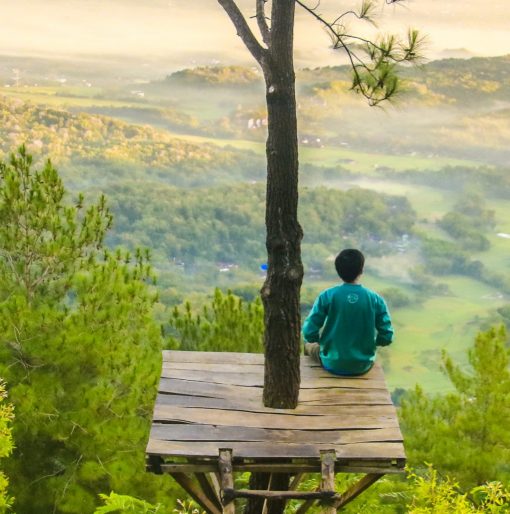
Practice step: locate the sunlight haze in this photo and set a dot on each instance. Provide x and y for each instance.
(197, 33)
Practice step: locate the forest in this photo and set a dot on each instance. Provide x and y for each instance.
(132, 224)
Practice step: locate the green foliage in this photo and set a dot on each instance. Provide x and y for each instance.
(6, 447)
(376, 76)
(464, 433)
(396, 298)
(226, 224)
(123, 504)
(43, 242)
(434, 495)
(446, 258)
(78, 346)
(468, 222)
(98, 141)
(188, 507)
(228, 324)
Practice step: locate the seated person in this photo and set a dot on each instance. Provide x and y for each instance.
(347, 322)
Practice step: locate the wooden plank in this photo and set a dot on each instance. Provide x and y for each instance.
(225, 357)
(331, 394)
(210, 390)
(221, 367)
(242, 404)
(186, 432)
(273, 450)
(257, 379)
(379, 417)
(250, 380)
(195, 492)
(356, 489)
(215, 367)
(250, 393)
(204, 358)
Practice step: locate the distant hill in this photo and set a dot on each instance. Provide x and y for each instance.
(456, 53)
(452, 107)
(69, 137)
(216, 76)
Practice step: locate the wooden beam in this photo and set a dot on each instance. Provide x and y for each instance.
(305, 506)
(260, 467)
(208, 489)
(282, 495)
(196, 493)
(227, 481)
(356, 489)
(328, 479)
(296, 481)
(214, 479)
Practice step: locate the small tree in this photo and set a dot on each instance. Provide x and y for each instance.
(375, 78)
(78, 345)
(6, 446)
(228, 324)
(465, 433)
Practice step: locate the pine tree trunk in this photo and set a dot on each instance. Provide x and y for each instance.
(280, 292)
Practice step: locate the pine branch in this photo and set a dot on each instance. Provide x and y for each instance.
(375, 78)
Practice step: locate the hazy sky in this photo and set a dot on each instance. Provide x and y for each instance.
(189, 31)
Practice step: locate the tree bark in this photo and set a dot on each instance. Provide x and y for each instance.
(280, 292)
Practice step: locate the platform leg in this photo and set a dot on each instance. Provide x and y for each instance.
(227, 481)
(193, 489)
(356, 489)
(208, 489)
(328, 478)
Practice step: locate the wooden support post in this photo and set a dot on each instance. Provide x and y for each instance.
(214, 479)
(356, 489)
(328, 478)
(294, 484)
(305, 506)
(208, 489)
(195, 492)
(227, 481)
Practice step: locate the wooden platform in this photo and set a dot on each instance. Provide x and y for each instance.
(212, 401)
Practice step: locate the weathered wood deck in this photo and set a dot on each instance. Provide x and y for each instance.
(212, 401)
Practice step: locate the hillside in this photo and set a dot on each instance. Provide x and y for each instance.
(183, 169)
(80, 138)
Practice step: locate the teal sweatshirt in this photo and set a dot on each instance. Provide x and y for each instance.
(348, 321)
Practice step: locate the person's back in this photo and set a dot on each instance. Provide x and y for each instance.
(347, 321)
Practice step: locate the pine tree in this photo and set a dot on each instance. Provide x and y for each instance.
(78, 345)
(6, 446)
(228, 324)
(465, 433)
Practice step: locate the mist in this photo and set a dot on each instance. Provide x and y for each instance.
(183, 34)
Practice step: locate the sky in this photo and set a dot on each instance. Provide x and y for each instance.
(191, 32)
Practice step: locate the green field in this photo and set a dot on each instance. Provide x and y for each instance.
(66, 98)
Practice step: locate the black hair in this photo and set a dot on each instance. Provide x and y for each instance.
(349, 264)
